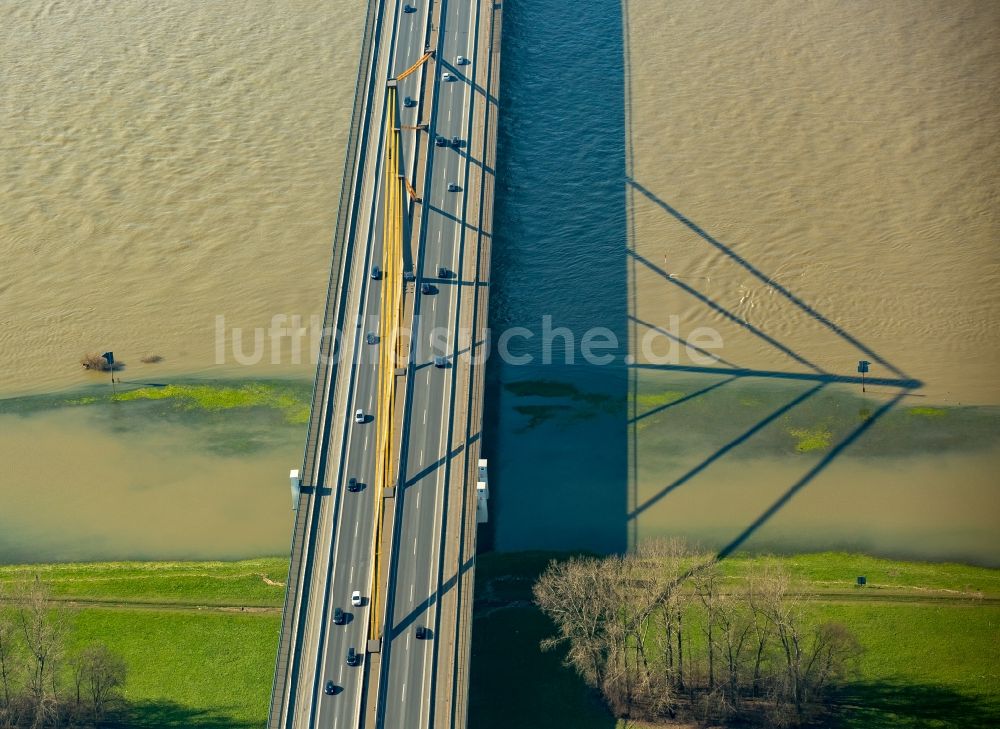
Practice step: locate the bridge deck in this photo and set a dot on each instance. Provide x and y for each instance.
(438, 426)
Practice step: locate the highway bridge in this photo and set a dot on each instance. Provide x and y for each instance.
(386, 501)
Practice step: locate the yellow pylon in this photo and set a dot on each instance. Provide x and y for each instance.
(391, 309)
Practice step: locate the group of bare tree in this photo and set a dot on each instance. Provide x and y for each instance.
(43, 683)
(662, 634)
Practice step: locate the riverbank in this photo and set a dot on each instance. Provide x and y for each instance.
(199, 638)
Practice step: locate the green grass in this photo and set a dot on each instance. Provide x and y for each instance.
(190, 669)
(825, 571)
(506, 633)
(924, 665)
(181, 583)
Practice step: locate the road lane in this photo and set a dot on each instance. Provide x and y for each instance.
(353, 528)
(416, 572)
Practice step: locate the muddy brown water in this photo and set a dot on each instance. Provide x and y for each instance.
(815, 182)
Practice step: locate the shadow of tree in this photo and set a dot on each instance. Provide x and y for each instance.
(169, 714)
(512, 682)
(908, 705)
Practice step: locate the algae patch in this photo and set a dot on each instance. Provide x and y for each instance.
(215, 398)
(925, 412)
(811, 439)
(654, 400)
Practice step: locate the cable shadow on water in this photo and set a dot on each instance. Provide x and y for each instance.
(807, 478)
(803, 367)
(812, 373)
(739, 440)
(764, 278)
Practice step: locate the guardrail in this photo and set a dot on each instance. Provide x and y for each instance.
(463, 644)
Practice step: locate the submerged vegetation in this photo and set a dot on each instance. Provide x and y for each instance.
(928, 412)
(289, 398)
(224, 418)
(811, 439)
(701, 409)
(215, 398)
(576, 404)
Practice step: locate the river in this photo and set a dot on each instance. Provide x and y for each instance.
(791, 189)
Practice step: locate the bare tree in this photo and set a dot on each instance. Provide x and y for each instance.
(736, 627)
(44, 629)
(8, 659)
(630, 625)
(574, 595)
(99, 675)
(706, 589)
(831, 657)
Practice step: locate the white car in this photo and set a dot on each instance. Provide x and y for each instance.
(461, 60)
(447, 76)
(359, 416)
(356, 598)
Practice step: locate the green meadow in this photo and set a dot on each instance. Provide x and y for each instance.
(200, 638)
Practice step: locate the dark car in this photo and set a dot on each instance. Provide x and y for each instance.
(408, 102)
(426, 288)
(441, 141)
(421, 632)
(443, 272)
(338, 617)
(353, 485)
(352, 657)
(456, 142)
(329, 688)
(409, 9)
(376, 273)
(408, 276)
(440, 361)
